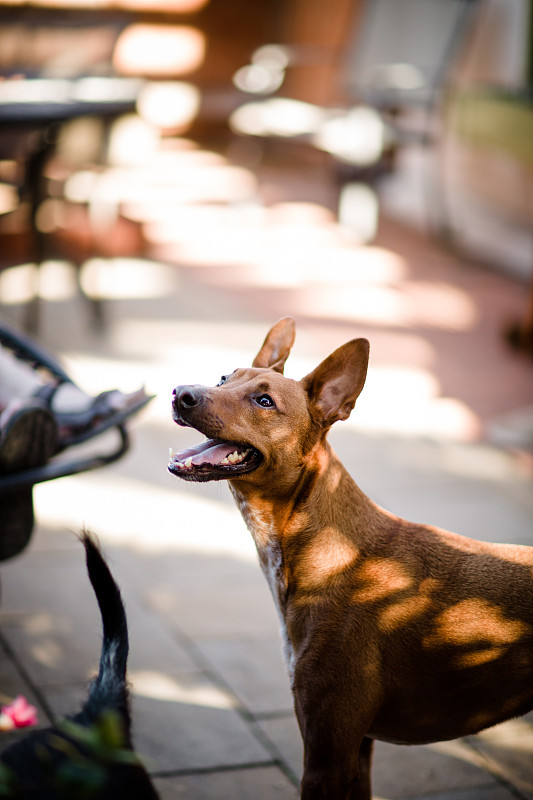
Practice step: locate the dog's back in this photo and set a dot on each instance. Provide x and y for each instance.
(92, 750)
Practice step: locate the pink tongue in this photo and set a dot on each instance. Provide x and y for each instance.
(209, 452)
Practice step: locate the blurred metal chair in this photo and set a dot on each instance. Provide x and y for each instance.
(394, 73)
(16, 489)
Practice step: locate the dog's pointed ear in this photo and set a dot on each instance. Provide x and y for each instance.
(334, 386)
(277, 345)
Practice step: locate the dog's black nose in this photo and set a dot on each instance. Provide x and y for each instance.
(186, 397)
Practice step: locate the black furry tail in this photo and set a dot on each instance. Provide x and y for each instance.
(89, 754)
(109, 689)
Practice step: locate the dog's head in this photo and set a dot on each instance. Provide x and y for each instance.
(259, 423)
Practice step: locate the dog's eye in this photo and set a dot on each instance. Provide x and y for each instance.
(222, 380)
(265, 401)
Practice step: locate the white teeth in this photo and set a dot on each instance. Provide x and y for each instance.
(235, 457)
(229, 460)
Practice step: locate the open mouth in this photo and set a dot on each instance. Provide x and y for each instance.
(214, 460)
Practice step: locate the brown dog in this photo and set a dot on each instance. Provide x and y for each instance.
(393, 630)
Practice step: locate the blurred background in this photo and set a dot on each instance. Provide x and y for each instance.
(325, 162)
(175, 176)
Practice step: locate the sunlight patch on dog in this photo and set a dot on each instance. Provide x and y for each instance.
(403, 612)
(283, 433)
(333, 478)
(482, 656)
(482, 719)
(472, 621)
(324, 558)
(298, 523)
(258, 521)
(379, 578)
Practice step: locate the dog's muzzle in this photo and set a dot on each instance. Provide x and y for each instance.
(214, 459)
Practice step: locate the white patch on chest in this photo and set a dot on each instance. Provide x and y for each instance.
(271, 560)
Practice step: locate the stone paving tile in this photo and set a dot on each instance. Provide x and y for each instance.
(50, 540)
(403, 772)
(152, 645)
(205, 595)
(254, 669)
(508, 749)
(47, 602)
(207, 610)
(48, 642)
(49, 582)
(389, 461)
(519, 492)
(189, 571)
(181, 722)
(491, 791)
(261, 783)
(477, 513)
(199, 730)
(52, 650)
(377, 462)
(284, 733)
(472, 489)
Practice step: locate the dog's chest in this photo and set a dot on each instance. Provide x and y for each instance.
(271, 561)
(269, 551)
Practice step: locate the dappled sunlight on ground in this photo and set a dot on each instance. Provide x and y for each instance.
(402, 305)
(397, 398)
(215, 229)
(110, 278)
(407, 401)
(158, 686)
(147, 518)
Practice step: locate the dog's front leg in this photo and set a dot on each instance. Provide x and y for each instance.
(361, 788)
(343, 778)
(337, 753)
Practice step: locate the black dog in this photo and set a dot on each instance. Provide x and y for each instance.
(89, 755)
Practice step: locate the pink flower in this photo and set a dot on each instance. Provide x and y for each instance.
(18, 714)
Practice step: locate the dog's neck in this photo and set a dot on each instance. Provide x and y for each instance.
(310, 541)
(317, 529)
